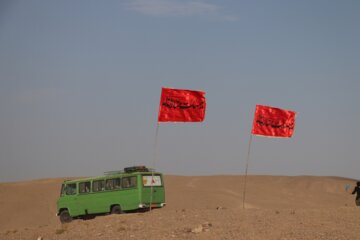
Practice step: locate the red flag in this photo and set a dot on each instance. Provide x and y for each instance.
(177, 105)
(273, 122)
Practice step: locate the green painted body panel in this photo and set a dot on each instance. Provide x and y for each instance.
(138, 196)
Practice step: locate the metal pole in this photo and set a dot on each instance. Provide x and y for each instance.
(153, 163)
(246, 170)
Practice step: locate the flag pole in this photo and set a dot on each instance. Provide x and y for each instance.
(246, 169)
(154, 162)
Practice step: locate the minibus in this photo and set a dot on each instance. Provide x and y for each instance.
(115, 192)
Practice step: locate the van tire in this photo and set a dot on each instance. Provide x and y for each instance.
(116, 209)
(65, 216)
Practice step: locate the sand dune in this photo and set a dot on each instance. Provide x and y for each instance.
(263, 192)
(277, 207)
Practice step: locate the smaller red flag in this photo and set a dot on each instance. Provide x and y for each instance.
(273, 122)
(178, 105)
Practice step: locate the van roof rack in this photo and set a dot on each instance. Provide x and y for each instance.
(130, 170)
(136, 169)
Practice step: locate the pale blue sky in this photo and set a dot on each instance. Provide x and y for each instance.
(80, 85)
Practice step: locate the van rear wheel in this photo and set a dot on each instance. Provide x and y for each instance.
(116, 209)
(65, 217)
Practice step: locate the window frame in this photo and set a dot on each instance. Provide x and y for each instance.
(85, 187)
(114, 187)
(103, 186)
(66, 191)
(131, 186)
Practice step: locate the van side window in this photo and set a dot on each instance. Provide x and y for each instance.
(112, 184)
(129, 182)
(84, 187)
(70, 189)
(98, 185)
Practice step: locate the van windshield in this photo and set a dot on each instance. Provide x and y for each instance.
(70, 189)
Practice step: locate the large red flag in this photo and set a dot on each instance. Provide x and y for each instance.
(273, 122)
(177, 105)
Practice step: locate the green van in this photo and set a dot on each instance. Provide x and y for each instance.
(115, 192)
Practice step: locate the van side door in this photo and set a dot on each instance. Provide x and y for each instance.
(70, 198)
(84, 197)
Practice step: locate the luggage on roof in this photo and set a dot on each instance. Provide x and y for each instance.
(136, 169)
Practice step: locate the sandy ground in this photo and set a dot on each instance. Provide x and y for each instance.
(206, 207)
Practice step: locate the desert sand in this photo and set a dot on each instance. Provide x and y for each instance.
(198, 207)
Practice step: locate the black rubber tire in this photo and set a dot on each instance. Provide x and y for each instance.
(65, 217)
(116, 209)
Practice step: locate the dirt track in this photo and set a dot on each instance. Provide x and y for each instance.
(197, 208)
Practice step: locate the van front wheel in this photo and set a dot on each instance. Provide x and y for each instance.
(116, 209)
(65, 217)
